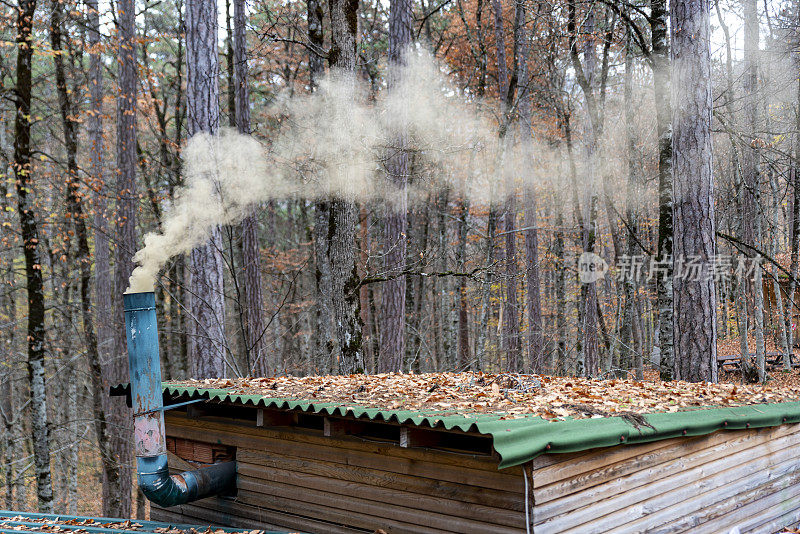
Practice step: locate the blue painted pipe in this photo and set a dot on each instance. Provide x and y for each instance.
(148, 417)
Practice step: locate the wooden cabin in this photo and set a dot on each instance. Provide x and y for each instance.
(324, 468)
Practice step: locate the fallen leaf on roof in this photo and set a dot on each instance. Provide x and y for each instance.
(507, 394)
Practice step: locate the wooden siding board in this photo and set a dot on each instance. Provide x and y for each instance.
(363, 512)
(552, 468)
(605, 466)
(252, 517)
(461, 493)
(755, 512)
(684, 472)
(416, 463)
(688, 507)
(293, 478)
(335, 512)
(388, 496)
(731, 463)
(773, 524)
(248, 428)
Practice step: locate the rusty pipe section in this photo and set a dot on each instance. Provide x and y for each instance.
(148, 417)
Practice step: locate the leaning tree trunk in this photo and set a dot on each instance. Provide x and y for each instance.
(695, 297)
(257, 356)
(207, 300)
(661, 90)
(393, 294)
(33, 262)
(343, 214)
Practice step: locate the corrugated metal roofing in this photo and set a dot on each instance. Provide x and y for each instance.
(15, 522)
(522, 438)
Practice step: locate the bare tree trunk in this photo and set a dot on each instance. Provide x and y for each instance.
(464, 353)
(207, 299)
(345, 280)
(758, 311)
(775, 246)
(33, 261)
(559, 361)
(9, 416)
(343, 214)
(111, 500)
(632, 215)
(325, 345)
(741, 307)
(486, 290)
(102, 268)
(794, 245)
(125, 233)
(535, 337)
(661, 89)
(393, 294)
(589, 353)
(506, 89)
(751, 171)
(257, 354)
(695, 299)
(316, 38)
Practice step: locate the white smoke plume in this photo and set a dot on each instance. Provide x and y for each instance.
(333, 143)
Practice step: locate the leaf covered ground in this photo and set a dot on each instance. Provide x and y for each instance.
(509, 394)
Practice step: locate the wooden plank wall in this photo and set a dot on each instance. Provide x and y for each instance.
(706, 484)
(298, 479)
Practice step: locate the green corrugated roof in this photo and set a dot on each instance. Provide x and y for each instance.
(522, 438)
(15, 522)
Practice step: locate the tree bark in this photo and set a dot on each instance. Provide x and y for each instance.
(33, 263)
(794, 242)
(316, 38)
(464, 353)
(125, 237)
(325, 344)
(393, 294)
(535, 337)
(343, 214)
(695, 297)
(751, 172)
(631, 213)
(661, 89)
(257, 354)
(207, 299)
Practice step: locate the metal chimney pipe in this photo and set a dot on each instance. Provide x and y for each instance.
(148, 417)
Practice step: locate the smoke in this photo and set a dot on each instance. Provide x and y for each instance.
(334, 143)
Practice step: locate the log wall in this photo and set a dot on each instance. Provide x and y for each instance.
(318, 479)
